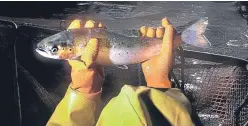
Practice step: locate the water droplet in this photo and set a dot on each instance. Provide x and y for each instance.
(195, 62)
(147, 68)
(193, 74)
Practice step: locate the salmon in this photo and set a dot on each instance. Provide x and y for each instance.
(116, 49)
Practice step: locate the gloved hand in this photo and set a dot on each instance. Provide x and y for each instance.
(86, 77)
(156, 69)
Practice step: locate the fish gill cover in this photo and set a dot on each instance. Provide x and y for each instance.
(217, 91)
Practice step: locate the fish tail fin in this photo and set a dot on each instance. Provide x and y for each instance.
(194, 35)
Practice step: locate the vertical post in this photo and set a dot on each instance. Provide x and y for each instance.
(16, 84)
(17, 91)
(11, 99)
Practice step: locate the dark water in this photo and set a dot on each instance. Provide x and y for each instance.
(34, 9)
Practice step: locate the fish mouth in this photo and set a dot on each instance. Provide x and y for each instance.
(43, 53)
(40, 49)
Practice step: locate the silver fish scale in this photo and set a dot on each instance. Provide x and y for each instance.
(120, 41)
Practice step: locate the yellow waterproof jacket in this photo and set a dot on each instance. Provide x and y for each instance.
(134, 106)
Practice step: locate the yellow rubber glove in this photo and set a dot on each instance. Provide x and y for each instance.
(86, 77)
(156, 69)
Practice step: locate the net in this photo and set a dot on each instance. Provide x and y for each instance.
(218, 93)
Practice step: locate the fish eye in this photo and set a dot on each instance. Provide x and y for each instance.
(54, 49)
(70, 49)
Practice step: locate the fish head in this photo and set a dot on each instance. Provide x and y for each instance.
(58, 46)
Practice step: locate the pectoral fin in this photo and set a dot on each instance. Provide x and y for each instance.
(122, 66)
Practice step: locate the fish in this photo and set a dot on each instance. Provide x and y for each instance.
(115, 48)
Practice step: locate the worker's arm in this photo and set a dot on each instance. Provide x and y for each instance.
(173, 105)
(76, 109)
(81, 103)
